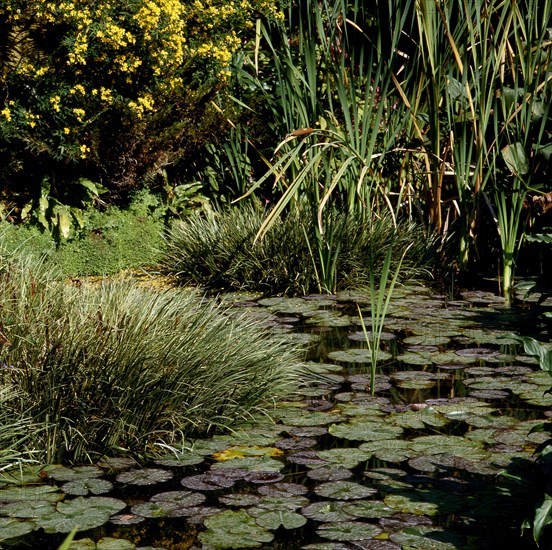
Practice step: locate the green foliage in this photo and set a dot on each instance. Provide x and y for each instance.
(118, 369)
(112, 89)
(221, 251)
(106, 243)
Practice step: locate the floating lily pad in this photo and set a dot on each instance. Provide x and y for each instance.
(296, 443)
(27, 509)
(263, 477)
(418, 420)
(308, 458)
(103, 544)
(237, 451)
(357, 430)
(283, 489)
(355, 355)
(251, 464)
(145, 476)
(429, 538)
(240, 500)
(86, 513)
(359, 336)
(234, 529)
(37, 492)
(449, 444)
(62, 473)
(411, 503)
(344, 457)
(329, 511)
(273, 519)
(329, 473)
(348, 530)
(427, 340)
(11, 528)
(344, 490)
(388, 450)
(369, 509)
(83, 487)
(208, 481)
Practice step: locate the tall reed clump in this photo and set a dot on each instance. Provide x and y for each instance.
(117, 368)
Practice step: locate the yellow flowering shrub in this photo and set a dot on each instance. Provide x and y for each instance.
(114, 88)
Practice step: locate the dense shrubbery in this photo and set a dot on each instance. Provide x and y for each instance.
(110, 90)
(117, 368)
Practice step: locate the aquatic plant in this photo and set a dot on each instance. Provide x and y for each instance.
(116, 368)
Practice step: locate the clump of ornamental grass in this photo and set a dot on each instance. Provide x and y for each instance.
(118, 369)
(293, 256)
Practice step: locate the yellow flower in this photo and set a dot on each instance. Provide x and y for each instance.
(6, 113)
(66, 130)
(84, 149)
(55, 101)
(79, 113)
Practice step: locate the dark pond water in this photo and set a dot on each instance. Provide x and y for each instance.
(432, 461)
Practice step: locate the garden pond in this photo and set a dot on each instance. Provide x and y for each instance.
(434, 460)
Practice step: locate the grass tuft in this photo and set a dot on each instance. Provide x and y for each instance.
(117, 368)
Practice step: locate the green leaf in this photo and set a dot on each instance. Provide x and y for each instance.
(273, 519)
(543, 516)
(516, 158)
(234, 529)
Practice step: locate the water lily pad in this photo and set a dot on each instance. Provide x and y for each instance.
(234, 529)
(36, 492)
(240, 500)
(296, 443)
(348, 530)
(355, 355)
(359, 336)
(251, 464)
(11, 528)
(388, 450)
(428, 538)
(27, 509)
(103, 544)
(329, 473)
(174, 460)
(419, 419)
(273, 519)
(329, 511)
(344, 457)
(263, 477)
(308, 458)
(358, 430)
(208, 481)
(411, 503)
(237, 451)
(84, 487)
(145, 476)
(62, 473)
(84, 512)
(369, 509)
(344, 490)
(427, 340)
(126, 519)
(449, 444)
(283, 489)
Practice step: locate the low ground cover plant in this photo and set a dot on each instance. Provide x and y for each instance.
(223, 251)
(116, 368)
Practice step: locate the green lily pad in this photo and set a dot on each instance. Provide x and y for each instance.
(358, 430)
(11, 528)
(63, 473)
(331, 472)
(86, 513)
(37, 492)
(355, 355)
(273, 519)
(28, 509)
(346, 457)
(252, 464)
(369, 509)
(348, 530)
(83, 487)
(145, 476)
(418, 420)
(331, 510)
(388, 450)
(234, 529)
(411, 503)
(429, 538)
(240, 500)
(103, 544)
(449, 444)
(427, 340)
(344, 490)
